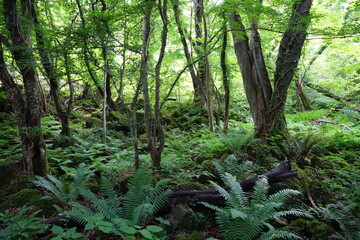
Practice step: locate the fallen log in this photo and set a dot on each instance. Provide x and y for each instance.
(212, 196)
(195, 197)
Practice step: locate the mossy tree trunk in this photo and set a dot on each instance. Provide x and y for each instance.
(28, 110)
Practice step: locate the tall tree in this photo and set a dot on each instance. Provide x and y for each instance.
(267, 102)
(27, 111)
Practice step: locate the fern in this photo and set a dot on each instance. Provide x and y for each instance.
(244, 219)
(347, 220)
(65, 191)
(231, 165)
(140, 202)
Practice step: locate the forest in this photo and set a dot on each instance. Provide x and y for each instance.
(179, 120)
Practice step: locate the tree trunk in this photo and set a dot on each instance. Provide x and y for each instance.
(267, 104)
(225, 76)
(154, 128)
(289, 54)
(301, 95)
(86, 52)
(34, 149)
(212, 196)
(193, 75)
(50, 71)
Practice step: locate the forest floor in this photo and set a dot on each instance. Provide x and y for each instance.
(322, 146)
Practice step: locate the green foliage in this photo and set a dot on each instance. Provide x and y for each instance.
(140, 202)
(137, 232)
(20, 226)
(231, 165)
(244, 219)
(235, 141)
(66, 191)
(345, 217)
(10, 144)
(63, 234)
(295, 148)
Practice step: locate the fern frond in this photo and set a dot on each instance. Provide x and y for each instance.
(274, 234)
(99, 204)
(297, 213)
(79, 212)
(51, 186)
(283, 195)
(260, 191)
(112, 199)
(236, 190)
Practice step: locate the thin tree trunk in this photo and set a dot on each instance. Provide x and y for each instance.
(225, 77)
(207, 76)
(199, 50)
(86, 53)
(301, 95)
(194, 78)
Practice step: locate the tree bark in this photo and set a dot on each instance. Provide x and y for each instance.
(34, 148)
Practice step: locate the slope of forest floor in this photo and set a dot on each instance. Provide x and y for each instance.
(323, 147)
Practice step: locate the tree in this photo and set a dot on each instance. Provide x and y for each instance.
(27, 110)
(266, 101)
(154, 128)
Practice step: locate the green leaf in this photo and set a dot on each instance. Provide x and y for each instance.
(128, 230)
(57, 230)
(153, 228)
(56, 238)
(104, 229)
(130, 238)
(146, 234)
(89, 226)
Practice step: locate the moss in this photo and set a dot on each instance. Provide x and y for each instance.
(195, 235)
(8, 171)
(24, 197)
(180, 237)
(195, 186)
(314, 229)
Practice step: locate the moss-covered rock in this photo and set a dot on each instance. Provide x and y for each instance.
(313, 229)
(195, 235)
(180, 237)
(8, 171)
(21, 198)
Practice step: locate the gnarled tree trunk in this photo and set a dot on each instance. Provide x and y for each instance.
(29, 119)
(267, 103)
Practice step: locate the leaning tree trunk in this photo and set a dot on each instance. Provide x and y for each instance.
(194, 78)
(289, 54)
(50, 72)
(34, 149)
